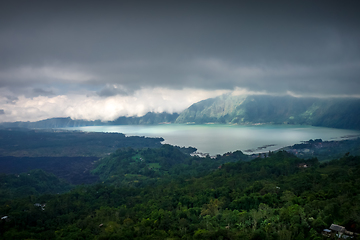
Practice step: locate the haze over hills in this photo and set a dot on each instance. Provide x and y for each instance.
(149, 118)
(230, 109)
(331, 112)
(134, 66)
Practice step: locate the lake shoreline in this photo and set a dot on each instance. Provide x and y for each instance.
(219, 138)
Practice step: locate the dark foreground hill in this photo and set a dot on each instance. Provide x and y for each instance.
(61, 143)
(277, 197)
(70, 155)
(335, 112)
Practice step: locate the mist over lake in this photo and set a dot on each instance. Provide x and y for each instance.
(219, 139)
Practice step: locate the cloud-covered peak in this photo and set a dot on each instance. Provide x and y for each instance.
(115, 49)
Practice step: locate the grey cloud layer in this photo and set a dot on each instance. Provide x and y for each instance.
(303, 47)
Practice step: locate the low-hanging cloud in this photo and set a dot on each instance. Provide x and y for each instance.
(96, 54)
(106, 109)
(42, 92)
(43, 74)
(112, 90)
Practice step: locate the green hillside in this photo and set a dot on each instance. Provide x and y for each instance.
(268, 198)
(228, 109)
(34, 182)
(135, 168)
(338, 113)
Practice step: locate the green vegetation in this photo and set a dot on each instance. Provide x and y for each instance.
(325, 150)
(147, 119)
(130, 167)
(228, 109)
(267, 198)
(34, 182)
(58, 143)
(164, 193)
(70, 155)
(75, 170)
(337, 113)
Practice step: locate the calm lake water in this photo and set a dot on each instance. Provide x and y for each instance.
(219, 139)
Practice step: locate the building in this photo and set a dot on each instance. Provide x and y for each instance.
(339, 232)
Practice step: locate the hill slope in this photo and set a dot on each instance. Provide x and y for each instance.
(335, 112)
(338, 113)
(269, 198)
(147, 119)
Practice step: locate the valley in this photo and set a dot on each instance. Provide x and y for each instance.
(179, 120)
(74, 179)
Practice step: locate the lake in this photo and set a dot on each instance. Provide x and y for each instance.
(219, 139)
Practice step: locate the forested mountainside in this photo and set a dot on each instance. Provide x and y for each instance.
(165, 193)
(277, 197)
(229, 109)
(336, 112)
(149, 118)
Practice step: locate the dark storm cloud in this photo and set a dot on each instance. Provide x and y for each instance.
(42, 92)
(303, 46)
(111, 90)
(11, 99)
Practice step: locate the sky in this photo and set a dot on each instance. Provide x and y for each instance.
(105, 59)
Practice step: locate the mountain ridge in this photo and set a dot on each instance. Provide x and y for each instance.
(243, 110)
(263, 109)
(62, 122)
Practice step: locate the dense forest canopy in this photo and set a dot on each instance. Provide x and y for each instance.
(261, 75)
(146, 190)
(276, 197)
